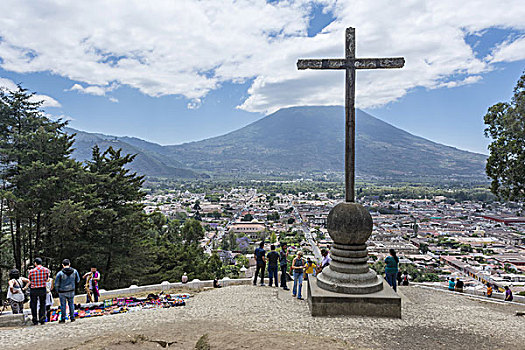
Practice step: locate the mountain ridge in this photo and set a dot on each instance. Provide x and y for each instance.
(298, 141)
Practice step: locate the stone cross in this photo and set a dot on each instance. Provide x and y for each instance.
(350, 64)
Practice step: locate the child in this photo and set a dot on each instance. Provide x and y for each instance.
(309, 268)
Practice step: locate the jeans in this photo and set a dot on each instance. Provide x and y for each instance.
(259, 269)
(69, 298)
(391, 278)
(38, 294)
(272, 273)
(297, 281)
(17, 307)
(284, 277)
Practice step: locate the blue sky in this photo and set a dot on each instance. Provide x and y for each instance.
(129, 69)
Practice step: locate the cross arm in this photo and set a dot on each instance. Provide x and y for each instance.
(333, 63)
(375, 63)
(359, 63)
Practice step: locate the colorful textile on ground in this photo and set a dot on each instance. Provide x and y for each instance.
(122, 305)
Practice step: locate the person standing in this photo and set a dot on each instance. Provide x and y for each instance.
(184, 278)
(451, 285)
(65, 284)
(16, 291)
(508, 294)
(325, 261)
(489, 290)
(298, 270)
(49, 299)
(38, 277)
(273, 260)
(283, 262)
(93, 279)
(260, 260)
(391, 269)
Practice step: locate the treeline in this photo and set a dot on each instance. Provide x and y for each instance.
(54, 207)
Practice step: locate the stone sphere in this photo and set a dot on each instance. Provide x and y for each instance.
(349, 223)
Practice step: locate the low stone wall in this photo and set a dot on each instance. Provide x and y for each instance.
(496, 295)
(10, 320)
(165, 286)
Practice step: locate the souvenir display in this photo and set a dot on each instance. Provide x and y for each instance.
(122, 305)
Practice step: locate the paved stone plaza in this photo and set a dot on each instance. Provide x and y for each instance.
(242, 317)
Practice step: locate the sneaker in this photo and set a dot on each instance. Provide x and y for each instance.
(263, 285)
(73, 320)
(300, 298)
(293, 295)
(285, 288)
(62, 321)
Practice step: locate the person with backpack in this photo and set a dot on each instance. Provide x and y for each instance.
(391, 269)
(16, 291)
(65, 284)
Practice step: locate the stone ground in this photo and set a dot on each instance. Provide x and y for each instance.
(243, 317)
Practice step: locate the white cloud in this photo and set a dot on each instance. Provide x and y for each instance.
(194, 103)
(509, 51)
(47, 101)
(96, 90)
(189, 48)
(113, 99)
(7, 84)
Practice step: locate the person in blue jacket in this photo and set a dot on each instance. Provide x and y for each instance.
(391, 269)
(66, 284)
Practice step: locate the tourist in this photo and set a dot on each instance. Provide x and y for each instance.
(184, 278)
(38, 278)
(399, 278)
(65, 284)
(283, 261)
(16, 291)
(451, 285)
(93, 277)
(49, 299)
(325, 261)
(310, 268)
(489, 290)
(391, 269)
(405, 278)
(459, 285)
(273, 260)
(216, 283)
(508, 294)
(297, 268)
(260, 260)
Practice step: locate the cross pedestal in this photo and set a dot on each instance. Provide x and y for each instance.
(348, 286)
